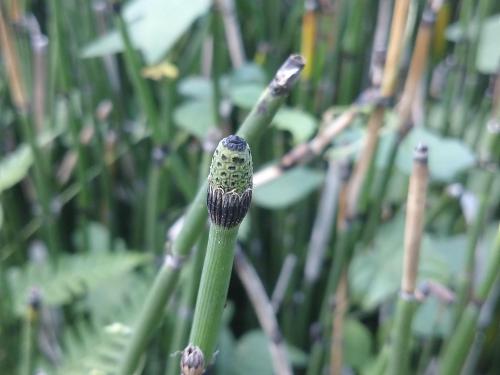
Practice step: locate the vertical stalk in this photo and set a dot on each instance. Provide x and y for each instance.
(232, 32)
(308, 44)
(39, 45)
(415, 207)
(146, 100)
(265, 313)
(415, 74)
(455, 352)
(216, 64)
(30, 323)
(228, 199)
(341, 247)
(166, 280)
(21, 102)
(341, 306)
(188, 301)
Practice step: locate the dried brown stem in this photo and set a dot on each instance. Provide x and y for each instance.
(39, 46)
(417, 67)
(306, 151)
(380, 42)
(283, 281)
(364, 162)
(232, 31)
(12, 63)
(264, 311)
(321, 232)
(398, 24)
(341, 304)
(415, 208)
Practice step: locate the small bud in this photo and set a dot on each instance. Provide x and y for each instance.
(230, 182)
(192, 361)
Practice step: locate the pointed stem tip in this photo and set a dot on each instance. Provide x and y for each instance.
(287, 75)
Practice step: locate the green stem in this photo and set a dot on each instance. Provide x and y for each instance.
(380, 191)
(186, 308)
(214, 284)
(400, 343)
(465, 290)
(216, 64)
(42, 184)
(455, 353)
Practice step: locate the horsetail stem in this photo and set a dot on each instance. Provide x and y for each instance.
(168, 276)
(398, 360)
(455, 353)
(228, 199)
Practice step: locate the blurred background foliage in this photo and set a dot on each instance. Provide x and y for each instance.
(109, 113)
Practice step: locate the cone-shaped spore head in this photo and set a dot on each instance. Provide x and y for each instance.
(230, 182)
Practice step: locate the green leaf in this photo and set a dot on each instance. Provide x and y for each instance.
(226, 358)
(357, 344)
(98, 239)
(14, 167)
(248, 73)
(488, 53)
(447, 156)
(1, 216)
(455, 32)
(301, 124)
(245, 95)
(196, 87)
(154, 25)
(195, 117)
(289, 188)
(375, 273)
(452, 249)
(433, 319)
(252, 355)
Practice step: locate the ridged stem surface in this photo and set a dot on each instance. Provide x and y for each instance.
(212, 294)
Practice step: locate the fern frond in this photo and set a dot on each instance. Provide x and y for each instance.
(72, 276)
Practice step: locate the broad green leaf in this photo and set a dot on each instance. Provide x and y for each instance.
(245, 95)
(455, 32)
(195, 117)
(301, 124)
(1, 216)
(226, 358)
(447, 156)
(248, 73)
(196, 87)
(154, 25)
(488, 53)
(98, 239)
(452, 249)
(433, 319)
(252, 355)
(15, 166)
(375, 273)
(289, 188)
(357, 344)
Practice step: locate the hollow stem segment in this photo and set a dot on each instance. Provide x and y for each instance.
(228, 199)
(398, 360)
